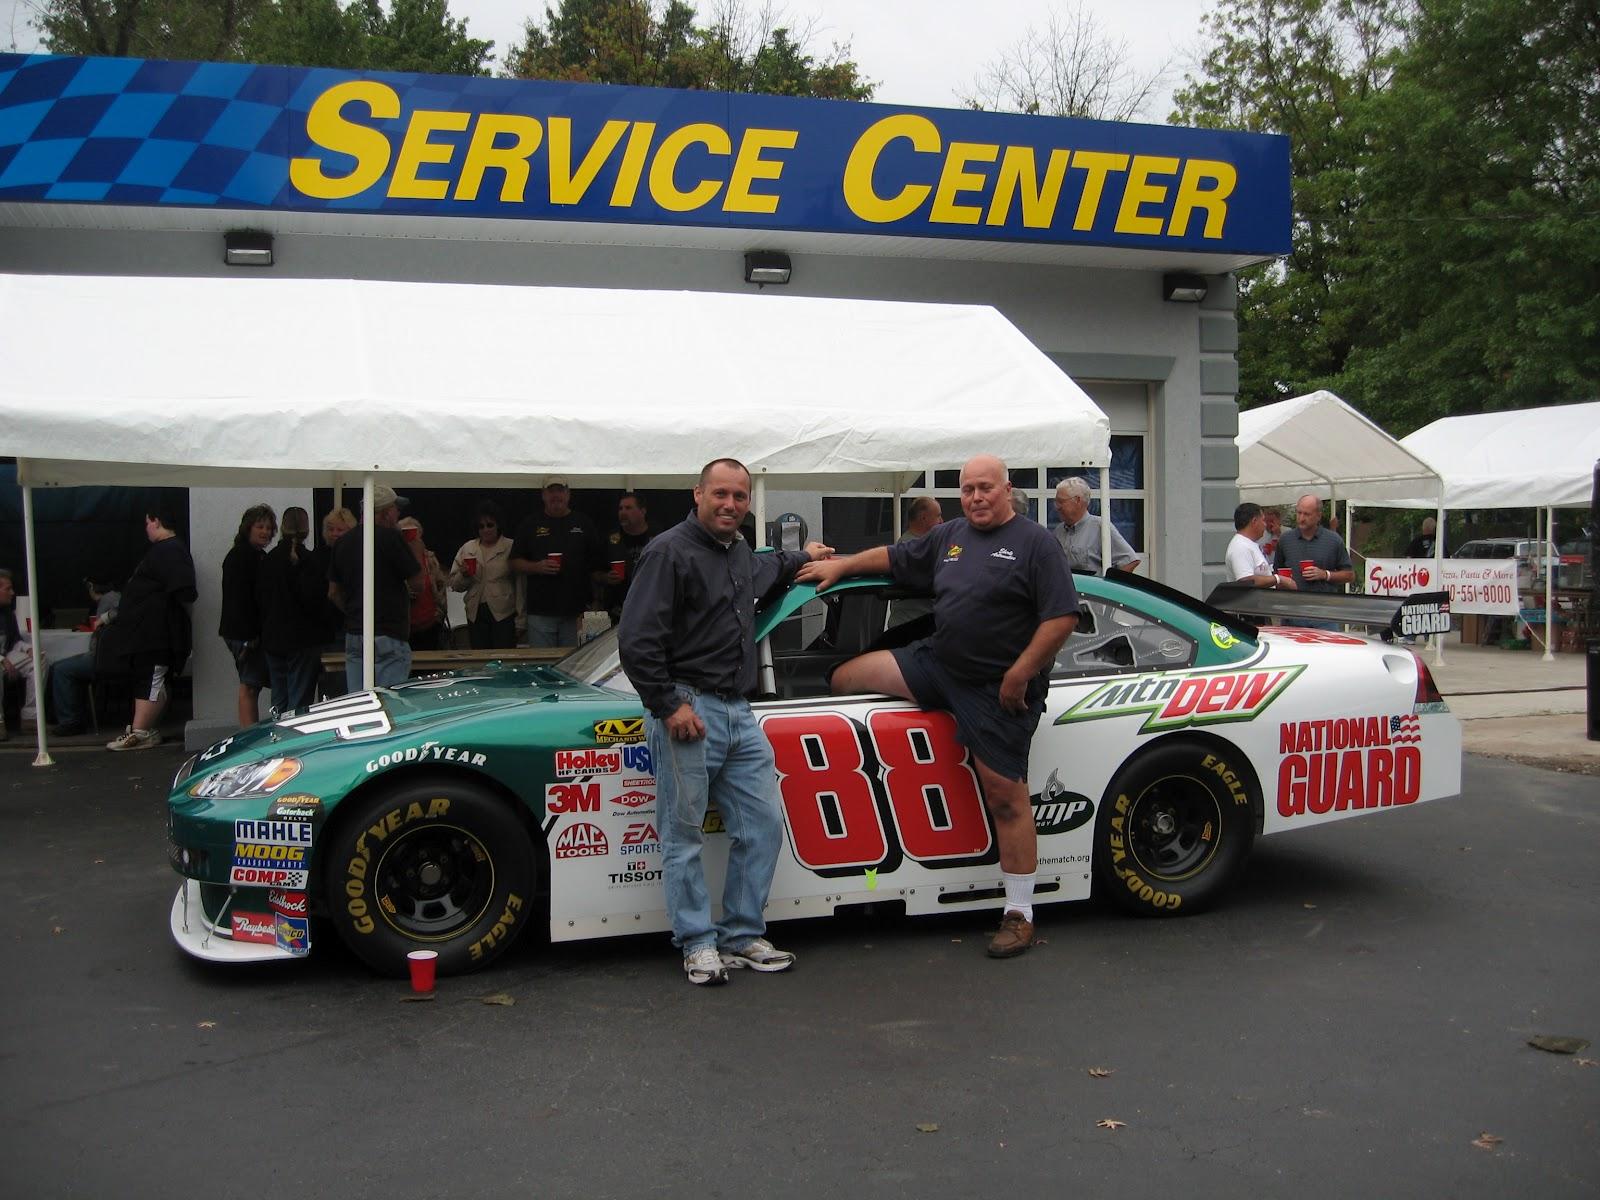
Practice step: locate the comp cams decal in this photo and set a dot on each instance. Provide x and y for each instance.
(1176, 701)
(1345, 763)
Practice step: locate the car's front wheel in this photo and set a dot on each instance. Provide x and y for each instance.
(1176, 826)
(429, 864)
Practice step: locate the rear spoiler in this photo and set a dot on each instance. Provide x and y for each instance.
(1394, 616)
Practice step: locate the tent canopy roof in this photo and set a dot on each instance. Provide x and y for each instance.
(1318, 443)
(1521, 458)
(248, 381)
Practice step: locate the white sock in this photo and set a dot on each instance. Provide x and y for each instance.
(1019, 894)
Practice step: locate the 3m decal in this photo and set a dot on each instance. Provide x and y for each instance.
(253, 927)
(359, 715)
(577, 764)
(619, 729)
(1175, 701)
(582, 840)
(1346, 763)
(572, 797)
(840, 817)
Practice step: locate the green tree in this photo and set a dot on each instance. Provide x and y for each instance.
(1304, 68)
(1480, 260)
(404, 35)
(641, 42)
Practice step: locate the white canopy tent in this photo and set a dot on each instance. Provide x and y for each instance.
(1539, 458)
(235, 381)
(1318, 443)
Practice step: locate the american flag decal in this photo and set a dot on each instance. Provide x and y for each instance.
(1405, 729)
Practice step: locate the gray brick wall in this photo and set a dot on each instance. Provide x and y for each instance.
(1219, 422)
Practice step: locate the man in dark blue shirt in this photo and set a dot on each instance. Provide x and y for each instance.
(1003, 603)
(687, 643)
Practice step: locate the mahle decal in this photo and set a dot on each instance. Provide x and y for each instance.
(1174, 701)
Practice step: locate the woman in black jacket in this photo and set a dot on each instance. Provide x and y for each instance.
(241, 610)
(292, 592)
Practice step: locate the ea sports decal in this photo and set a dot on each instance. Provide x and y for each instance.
(1176, 701)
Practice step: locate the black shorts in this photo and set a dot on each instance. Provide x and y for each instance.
(997, 738)
(250, 662)
(147, 677)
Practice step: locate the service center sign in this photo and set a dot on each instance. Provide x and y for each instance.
(235, 136)
(1487, 586)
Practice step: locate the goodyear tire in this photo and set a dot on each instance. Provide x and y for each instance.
(429, 864)
(1175, 827)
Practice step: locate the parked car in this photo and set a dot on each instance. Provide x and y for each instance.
(457, 813)
(1534, 556)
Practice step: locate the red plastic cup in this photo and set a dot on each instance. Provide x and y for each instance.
(412, 534)
(619, 570)
(423, 963)
(1305, 568)
(554, 559)
(469, 566)
(1285, 572)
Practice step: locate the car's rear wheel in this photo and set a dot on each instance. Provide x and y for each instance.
(431, 863)
(1175, 828)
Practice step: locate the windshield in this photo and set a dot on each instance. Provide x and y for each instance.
(597, 662)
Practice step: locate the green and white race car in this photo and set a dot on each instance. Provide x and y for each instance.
(455, 813)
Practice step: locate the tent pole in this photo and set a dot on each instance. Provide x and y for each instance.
(1546, 553)
(895, 521)
(1105, 520)
(758, 502)
(41, 668)
(369, 592)
(1438, 575)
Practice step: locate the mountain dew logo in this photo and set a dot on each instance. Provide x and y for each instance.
(1174, 701)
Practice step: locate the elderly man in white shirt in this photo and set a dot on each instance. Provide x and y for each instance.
(1246, 562)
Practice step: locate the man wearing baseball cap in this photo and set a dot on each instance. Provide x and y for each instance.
(394, 566)
(561, 554)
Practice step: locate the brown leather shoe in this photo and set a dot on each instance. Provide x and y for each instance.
(1013, 937)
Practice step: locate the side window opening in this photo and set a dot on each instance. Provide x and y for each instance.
(1110, 638)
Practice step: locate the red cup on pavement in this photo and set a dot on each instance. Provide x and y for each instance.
(469, 566)
(1306, 566)
(423, 964)
(619, 570)
(554, 559)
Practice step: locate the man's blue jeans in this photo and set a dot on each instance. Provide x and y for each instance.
(731, 766)
(294, 678)
(391, 661)
(552, 631)
(70, 681)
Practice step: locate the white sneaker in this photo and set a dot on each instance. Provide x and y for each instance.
(703, 965)
(135, 739)
(759, 955)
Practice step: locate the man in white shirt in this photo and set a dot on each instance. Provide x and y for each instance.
(1246, 562)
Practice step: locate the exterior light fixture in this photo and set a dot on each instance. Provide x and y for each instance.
(247, 248)
(766, 266)
(1185, 289)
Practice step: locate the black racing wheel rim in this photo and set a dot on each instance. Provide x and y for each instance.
(1174, 828)
(434, 881)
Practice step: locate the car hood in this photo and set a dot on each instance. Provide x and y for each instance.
(413, 707)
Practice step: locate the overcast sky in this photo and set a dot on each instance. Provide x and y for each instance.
(923, 52)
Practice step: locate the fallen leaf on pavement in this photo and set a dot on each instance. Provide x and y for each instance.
(1586, 1062)
(57, 929)
(1100, 1072)
(206, 1025)
(416, 998)
(1109, 1123)
(501, 998)
(927, 1127)
(1487, 1141)
(1308, 906)
(1558, 1045)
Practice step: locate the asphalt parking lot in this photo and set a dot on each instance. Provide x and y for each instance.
(1350, 1022)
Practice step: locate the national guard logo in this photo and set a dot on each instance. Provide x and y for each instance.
(619, 729)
